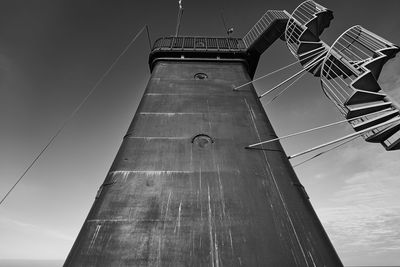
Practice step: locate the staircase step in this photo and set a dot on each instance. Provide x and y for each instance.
(390, 52)
(361, 96)
(308, 36)
(321, 21)
(312, 26)
(316, 71)
(320, 61)
(376, 120)
(366, 109)
(384, 134)
(324, 20)
(376, 65)
(392, 142)
(366, 82)
(394, 146)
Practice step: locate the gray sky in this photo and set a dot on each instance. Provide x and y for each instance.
(52, 52)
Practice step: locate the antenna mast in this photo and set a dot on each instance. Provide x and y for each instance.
(228, 31)
(178, 22)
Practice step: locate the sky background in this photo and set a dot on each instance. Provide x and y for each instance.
(52, 53)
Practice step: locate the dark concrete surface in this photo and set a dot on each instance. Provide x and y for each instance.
(174, 199)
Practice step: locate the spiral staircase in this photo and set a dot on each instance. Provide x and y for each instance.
(306, 24)
(349, 77)
(349, 71)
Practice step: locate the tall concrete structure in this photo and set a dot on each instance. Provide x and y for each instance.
(183, 190)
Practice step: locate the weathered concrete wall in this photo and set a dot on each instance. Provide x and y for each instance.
(174, 200)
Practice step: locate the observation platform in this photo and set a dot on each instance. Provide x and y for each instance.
(191, 48)
(248, 49)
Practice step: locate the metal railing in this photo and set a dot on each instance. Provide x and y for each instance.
(346, 63)
(297, 24)
(263, 24)
(198, 43)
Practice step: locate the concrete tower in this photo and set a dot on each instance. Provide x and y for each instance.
(183, 190)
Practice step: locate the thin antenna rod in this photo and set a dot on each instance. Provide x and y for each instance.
(178, 22)
(228, 31)
(223, 22)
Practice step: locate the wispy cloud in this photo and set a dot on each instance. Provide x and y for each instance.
(361, 230)
(363, 216)
(35, 229)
